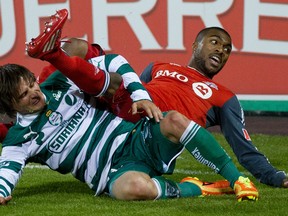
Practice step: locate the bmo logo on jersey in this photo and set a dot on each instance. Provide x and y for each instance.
(202, 90)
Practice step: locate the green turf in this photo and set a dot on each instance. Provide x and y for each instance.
(45, 192)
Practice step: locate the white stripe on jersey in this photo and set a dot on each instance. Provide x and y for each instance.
(14, 153)
(106, 84)
(129, 78)
(82, 154)
(10, 176)
(116, 63)
(140, 95)
(3, 183)
(92, 164)
(104, 175)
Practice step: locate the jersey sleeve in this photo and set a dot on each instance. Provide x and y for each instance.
(233, 127)
(118, 64)
(11, 166)
(146, 75)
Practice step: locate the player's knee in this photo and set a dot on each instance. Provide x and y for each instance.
(136, 188)
(174, 124)
(175, 118)
(141, 188)
(75, 47)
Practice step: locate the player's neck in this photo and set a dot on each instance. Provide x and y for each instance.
(197, 71)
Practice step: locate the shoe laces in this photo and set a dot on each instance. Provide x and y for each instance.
(246, 181)
(53, 19)
(48, 26)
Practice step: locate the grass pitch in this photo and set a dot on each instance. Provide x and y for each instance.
(41, 191)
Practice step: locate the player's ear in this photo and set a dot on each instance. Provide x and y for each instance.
(194, 46)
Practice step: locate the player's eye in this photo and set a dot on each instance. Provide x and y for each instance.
(31, 84)
(214, 42)
(22, 95)
(227, 49)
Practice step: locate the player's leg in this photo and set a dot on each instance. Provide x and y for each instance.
(47, 47)
(81, 48)
(135, 172)
(205, 149)
(134, 182)
(134, 185)
(73, 47)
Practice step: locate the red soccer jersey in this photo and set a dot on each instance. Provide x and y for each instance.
(176, 87)
(181, 88)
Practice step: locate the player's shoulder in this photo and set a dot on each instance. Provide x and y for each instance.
(225, 91)
(165, 64)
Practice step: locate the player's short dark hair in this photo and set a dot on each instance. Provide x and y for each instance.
(10, 77)
(204, 31)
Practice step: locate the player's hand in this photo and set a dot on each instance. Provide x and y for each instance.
(5, 200)
(149, 107)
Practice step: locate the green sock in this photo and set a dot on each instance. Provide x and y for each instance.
(166, 188)
(230, 172)
(170, 189)
(205, 149)
(188, 189)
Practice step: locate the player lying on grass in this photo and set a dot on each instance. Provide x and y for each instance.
(191, 91)
(208, 103)
(60, 124)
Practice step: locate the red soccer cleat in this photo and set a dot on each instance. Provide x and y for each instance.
(49, 39)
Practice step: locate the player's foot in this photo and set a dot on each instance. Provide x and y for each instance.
(245, 190)
(49, 39)
(211, 188)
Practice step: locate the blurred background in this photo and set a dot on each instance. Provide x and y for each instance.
(164, 30)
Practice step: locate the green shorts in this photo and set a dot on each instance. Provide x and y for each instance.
(146, 151)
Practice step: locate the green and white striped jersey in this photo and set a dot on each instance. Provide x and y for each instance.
(70, 135)
(118, 64)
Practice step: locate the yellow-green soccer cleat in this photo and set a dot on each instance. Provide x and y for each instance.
(245, 190)
(211, 188)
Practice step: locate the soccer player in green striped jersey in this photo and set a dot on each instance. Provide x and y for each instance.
(62, 124)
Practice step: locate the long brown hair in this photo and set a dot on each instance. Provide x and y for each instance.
(10, 76)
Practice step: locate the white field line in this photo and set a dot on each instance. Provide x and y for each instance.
(178, 171)
(36, 166)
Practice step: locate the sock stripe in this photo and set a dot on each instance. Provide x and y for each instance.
(189, 133)
(158, 186)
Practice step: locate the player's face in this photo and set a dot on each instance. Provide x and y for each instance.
(212, 52)
(30, 99)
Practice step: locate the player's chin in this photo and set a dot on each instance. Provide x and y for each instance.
(39, 106)
(213, 71)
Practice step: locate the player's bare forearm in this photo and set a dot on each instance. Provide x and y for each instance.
(149, 107)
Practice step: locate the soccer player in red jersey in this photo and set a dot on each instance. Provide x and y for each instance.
(191, 91)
